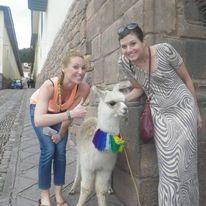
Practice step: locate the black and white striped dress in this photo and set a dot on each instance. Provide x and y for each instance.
(175, 120)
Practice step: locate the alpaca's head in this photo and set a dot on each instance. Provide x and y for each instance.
(112, 103)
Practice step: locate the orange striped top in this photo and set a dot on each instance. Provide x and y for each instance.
(53, 102)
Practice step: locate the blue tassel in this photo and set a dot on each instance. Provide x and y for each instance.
(100, 139)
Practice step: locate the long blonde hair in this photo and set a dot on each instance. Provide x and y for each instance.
(66, 60)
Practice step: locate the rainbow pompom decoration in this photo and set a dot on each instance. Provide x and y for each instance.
(105, 141)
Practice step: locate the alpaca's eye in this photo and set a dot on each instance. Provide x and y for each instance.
(112, 103)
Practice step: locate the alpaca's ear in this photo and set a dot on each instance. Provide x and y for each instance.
(116, 87)
(101, 93)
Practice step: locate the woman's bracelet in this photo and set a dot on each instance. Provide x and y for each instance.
(68, 115)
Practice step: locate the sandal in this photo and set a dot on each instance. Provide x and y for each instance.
(62, 203)
(41, 204)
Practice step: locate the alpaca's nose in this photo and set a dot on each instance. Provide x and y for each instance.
(125, 109)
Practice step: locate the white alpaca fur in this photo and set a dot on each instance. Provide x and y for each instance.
(94, 166)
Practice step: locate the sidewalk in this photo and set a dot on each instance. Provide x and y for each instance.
(22, 175)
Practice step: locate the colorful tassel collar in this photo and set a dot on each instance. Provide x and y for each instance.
(105, 141)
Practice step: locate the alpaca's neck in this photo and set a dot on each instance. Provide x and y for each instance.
(107, 122)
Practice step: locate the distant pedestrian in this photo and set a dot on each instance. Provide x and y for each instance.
(54, 105)
(29, 83)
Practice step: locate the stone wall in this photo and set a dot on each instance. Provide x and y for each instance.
(1, 81)
(91, 26)
(4, 82)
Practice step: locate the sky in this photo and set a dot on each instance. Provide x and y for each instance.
(22, 20)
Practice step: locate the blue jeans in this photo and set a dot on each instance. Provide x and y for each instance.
(50, 153)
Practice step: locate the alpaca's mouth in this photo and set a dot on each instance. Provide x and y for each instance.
(124, 112)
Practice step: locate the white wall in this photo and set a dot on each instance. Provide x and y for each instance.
(10, 68)
(1, 40)
(49, 24)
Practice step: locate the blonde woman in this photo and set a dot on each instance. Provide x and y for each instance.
(54, 105)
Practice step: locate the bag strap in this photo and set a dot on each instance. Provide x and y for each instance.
(149, 67)
(51, 82)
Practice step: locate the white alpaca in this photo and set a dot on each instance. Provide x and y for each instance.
(94, 166)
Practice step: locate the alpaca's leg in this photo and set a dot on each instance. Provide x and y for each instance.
(102, 185)
(86, 185)
(77, 179)
(110, 190)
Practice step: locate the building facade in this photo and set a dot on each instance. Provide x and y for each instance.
(91, 26)
(47, 18)
(10, 66)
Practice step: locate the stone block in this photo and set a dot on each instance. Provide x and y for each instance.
(195, 51)
(193, 12)
(74, 31)
(23, 183)
(134, 14)
(165, 19)
(94, 99)
(82, 29)
(73, 8)
(99, 71)
(93, 26)
(24, 201)
(148, 16)
(1, 81)
(76, 39)
(150, 39)
(190, 30)
(98, 4)
(90, 11)
(111, 68)
(110, 40)
(96, 47)
(88, 46)
(124, 188)
(149, 192)
(148, 165)
(202, 170)
(106, 15)
(202, 191)
(81, 7)
(121, 6)
(201, 161)
(202, 107)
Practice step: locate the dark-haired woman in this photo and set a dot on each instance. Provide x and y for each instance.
(54, 105)
(174, 109)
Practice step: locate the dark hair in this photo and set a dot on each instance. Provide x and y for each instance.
(130, 28)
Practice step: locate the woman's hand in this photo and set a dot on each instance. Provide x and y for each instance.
(79, 110)
(199, 122)
(64, 127)
(56, 138)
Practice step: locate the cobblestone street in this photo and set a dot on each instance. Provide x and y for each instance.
(19, 153)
